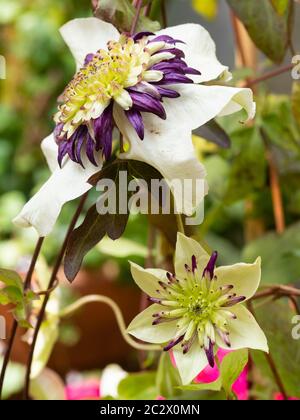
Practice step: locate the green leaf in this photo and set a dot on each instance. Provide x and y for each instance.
(232, 366)
(279, 253)
(167, 379)
(215, 386)
(248, 168)
(138, 386)
(121, 14)
(11, 278)
(13, 294)
(276, 320)
(269, 29)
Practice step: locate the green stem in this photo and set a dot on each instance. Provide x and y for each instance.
(69, 310)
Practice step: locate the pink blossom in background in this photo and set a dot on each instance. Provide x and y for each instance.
(85, 389)
(279, 397)
(240, 387)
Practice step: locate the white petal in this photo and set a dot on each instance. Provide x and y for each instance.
(244, 277)
(199, 104)
(87, 35)
(167, 147)
(49, 148)
(191, 364)
(185, 249)
(147, 279)
(244, 332)
(141, 327)
(200, 51)
(64, 185)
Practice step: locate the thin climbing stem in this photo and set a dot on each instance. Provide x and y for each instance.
(271, 363)
(70, 310)
(138, 4)
(52, 281)
(27, 286)
(269, 75)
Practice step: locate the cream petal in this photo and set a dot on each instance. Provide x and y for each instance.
(244, 277)
(87, 35)
(50, 150)
(199, 104)
(141, 327)
(65, 184)
(191, 364)
(185, 249)
(200, 51)
(147, 279)
(244, 332)
(168, 148)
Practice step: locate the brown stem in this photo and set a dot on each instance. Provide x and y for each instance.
(276, 375)
(50, 286)
(277, 291)
(269, 75)
(148, 9)
(272, 365)
(27, 285)
(278, 209)
(276, 195)
(138, 5)
(295, 304)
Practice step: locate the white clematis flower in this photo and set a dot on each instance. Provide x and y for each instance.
(199, 308)
(151, 87)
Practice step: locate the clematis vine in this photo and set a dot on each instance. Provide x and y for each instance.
(153, 89)
(199, 309)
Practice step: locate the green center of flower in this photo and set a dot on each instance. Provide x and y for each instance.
(199, 306)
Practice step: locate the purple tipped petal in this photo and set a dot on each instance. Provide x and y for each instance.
(210, 268)
(175, 51)
(141, 35)
(167, 93)
(210, 354)
(173, 343)
(190, 70)
(145, 87)
(146, 103)
(234, 301)
(103, 129)
(168, 39)
(154, 300)
(90, 147)
(194, 264)
(224, 337)
(173, 79)
(136, 120)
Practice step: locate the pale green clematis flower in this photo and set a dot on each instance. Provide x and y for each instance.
(199, 308)
(167, 141)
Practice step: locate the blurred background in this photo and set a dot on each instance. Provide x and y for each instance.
(39, 66)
